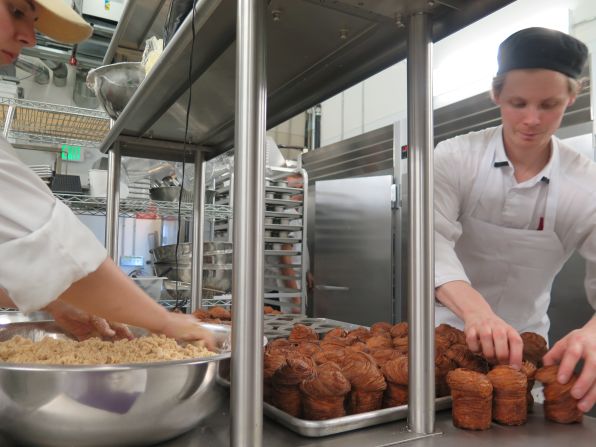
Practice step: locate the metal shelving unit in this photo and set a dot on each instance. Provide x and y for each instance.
(96, 206)
(259, 63)
(340, 43)
(32, 123)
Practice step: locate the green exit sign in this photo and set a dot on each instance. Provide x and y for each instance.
(71, 153)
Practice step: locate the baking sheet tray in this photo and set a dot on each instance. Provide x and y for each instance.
(315, 429)
(277, 326)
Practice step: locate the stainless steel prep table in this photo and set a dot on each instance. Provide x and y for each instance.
(214, 432)
(537, 432)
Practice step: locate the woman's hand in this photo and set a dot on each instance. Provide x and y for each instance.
(82, 325)
(188, 328)
(578, 344)
(488, 334)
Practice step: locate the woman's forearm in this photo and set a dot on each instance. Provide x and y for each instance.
(110, 294)
(5, 300)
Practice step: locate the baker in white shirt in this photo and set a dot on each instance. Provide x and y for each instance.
(50, 260)
(512, 203)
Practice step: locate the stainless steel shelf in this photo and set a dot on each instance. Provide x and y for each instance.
(284, 203)
(272, 227)
(96, 206)
(276, 189)
(297, 214)
(282, 240)
(315, 49)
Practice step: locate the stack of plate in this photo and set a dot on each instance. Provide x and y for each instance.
(42, 171)
(139, 189)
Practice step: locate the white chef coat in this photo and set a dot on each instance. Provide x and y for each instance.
(509, 204)
(44, 247)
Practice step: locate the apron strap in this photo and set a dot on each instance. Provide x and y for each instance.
(552, 197)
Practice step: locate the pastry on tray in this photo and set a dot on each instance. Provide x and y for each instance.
(534, 347)
(332, 342)
(381, 340)
(401, 344)
(367, 382)
(273, 359)
(559, 405)
(396, 375)
(302, 332)
(454, 335)
(442, 344)
(443, 365)
(337, 356)
(472, 395)
(336, 332)
(510, 388)
(529, 369)
(220, 313)
(399, 330)
(464, 358)
(382, 356)
(359, 334)
(324, 393)
(286, 383)
(381, 327)
(280, 343)
(308, 347)
(358, 346)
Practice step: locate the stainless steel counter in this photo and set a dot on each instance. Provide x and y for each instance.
(538, 432)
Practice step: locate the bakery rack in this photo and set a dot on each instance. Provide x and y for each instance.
(96, 206)
(285, 233)
(37, 123)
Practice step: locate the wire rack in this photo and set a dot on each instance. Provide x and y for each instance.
(32, 122)
(96, 206)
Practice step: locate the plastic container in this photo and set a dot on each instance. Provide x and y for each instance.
(151, 285)
(98, 184)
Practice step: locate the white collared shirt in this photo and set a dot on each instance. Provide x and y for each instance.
(506, 203)
(44, 247)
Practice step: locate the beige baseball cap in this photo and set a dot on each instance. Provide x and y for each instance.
(60, 22)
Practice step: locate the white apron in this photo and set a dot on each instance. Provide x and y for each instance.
(513, 269)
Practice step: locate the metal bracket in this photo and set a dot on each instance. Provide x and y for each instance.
(395, 203)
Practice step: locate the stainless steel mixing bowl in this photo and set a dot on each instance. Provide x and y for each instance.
(215, 277)
(115, 84)
(110, 405)
(170, 194)
(213, 253)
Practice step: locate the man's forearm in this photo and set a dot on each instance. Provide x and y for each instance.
(461, 298)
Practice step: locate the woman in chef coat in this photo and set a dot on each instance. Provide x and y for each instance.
(512, 203)
(49, 259)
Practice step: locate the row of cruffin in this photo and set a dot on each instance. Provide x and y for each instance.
(218, 314)
(501, 396)
(374, 362)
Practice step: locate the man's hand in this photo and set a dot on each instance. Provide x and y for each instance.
(187, 328)
(488, 334)
(82, 325)
(578, 344)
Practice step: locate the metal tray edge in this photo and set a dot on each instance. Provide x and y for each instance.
(314, 429)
